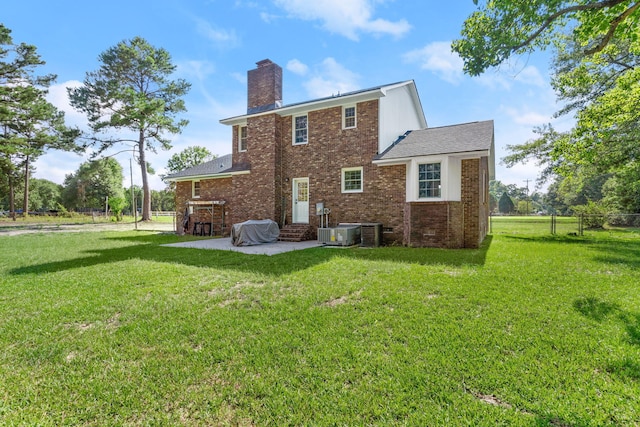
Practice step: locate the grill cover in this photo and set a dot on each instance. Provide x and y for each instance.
(254, 232)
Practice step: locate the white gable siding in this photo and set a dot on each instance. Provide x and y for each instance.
(451, 173)
(400, 111)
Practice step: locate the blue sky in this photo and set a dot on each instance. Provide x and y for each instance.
(323, 46)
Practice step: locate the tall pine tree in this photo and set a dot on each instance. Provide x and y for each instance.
(132, 91)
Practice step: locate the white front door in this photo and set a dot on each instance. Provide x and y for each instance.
(300, 199)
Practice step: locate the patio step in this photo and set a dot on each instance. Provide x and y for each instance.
(295, 233)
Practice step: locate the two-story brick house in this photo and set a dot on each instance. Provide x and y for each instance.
(367, 155)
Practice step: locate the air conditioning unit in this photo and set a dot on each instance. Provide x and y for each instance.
(371, 234)
(343, 235)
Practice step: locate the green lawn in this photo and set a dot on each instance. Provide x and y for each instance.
(114, 329)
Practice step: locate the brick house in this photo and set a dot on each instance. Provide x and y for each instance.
(367, 155)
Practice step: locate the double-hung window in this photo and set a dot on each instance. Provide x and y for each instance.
(352, 180)
(242, 139)
(195, 189)
(429, 183)
(348, 117)
(300, 130)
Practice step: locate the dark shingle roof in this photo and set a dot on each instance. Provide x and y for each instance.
(462, 138)
(345, 94)
(219, 165)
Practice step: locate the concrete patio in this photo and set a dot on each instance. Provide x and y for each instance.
(224, 244)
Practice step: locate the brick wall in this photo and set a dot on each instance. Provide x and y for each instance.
(264, 85)
(331, 148)
(434, 224)
(274, 162)
(461, 224)
(485, 208)
(211, 189)
(475, 197)
(255, 193)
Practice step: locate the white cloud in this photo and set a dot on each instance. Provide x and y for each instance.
(59, 98)
(527, 117)
(268, 17)
(199, 70)
(438, 58)
(331, 78)
(239, 77)
(532, 76)
(502, 78)
(347, 18)
(221, 38)
(55, 165)
(297, 67)
(494, 80)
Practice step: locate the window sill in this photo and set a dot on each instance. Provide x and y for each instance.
(428, 199)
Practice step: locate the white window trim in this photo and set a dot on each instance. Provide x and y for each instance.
(193, 189)
(342, 172)
(240, 127)
(440, 187)
(355, 116)
(412, 176)
(293, 129)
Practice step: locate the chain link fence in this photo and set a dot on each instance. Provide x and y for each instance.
(576, 225)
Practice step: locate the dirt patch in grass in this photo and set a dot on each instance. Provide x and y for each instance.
(344, 299)
(492, 400)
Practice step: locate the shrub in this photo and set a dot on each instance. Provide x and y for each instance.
(593, 214)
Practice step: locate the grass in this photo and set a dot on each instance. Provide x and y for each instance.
(115, 329)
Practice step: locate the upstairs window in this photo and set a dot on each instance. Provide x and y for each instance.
(352, 180)
(242, 139)
(195, 189)
(348, 117)
(300, 130)
(429, 183)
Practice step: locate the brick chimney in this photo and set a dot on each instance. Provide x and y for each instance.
(264, 90)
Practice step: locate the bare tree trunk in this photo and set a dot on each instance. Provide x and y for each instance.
(12, 197)
(25, 203)
(146, 191)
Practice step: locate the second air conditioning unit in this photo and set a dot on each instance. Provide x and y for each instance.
(342, 235)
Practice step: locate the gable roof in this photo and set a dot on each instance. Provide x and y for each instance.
(335, 100)
(218, 167)
(466, 138)
(462, 138)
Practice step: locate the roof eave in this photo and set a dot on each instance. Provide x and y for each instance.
(208, 176)
(460, 154)
(333, 101)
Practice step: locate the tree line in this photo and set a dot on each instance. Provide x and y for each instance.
(557, 200)
(97, 186)
(130, 102)
(595, 166)
(94, 186)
